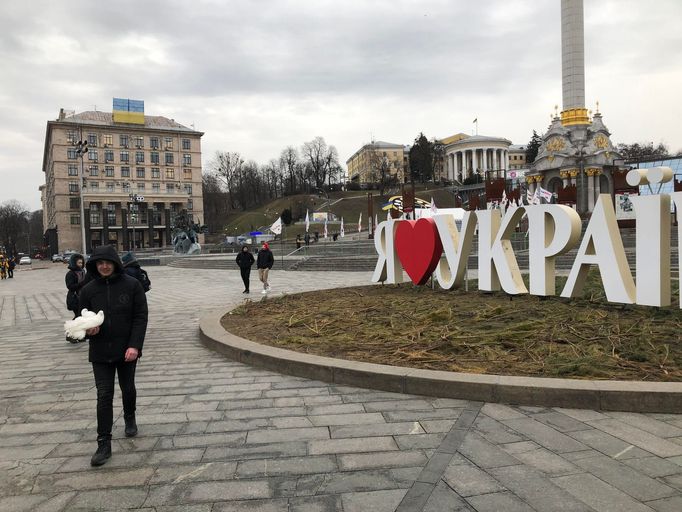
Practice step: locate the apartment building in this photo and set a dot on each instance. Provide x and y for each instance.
(366, 164)
(139, 172)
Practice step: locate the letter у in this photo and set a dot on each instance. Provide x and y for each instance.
(456, 246)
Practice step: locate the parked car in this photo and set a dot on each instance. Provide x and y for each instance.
(57, 258)
(67, 256)
(25, 260)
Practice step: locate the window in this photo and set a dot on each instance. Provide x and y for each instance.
(92, 139)
(71, 137)
(125, 172)
(109, 171)
(140, 187)
(186, 144)
(71, 154)
(124, 156)
(108, 155)
(111, 214)
(74, 203)
(170, 188)
(110, 186)
(169, 158)
(95, 218)
(75, 219)
(139, 157)
(123, 141)
(94, 170)
(94, 186)
(108, 140)
(140, 172)
(73, 186)
(157, 215)
(73, 170)
(155, 172)
(154, 142)
(155, 157)
(139, 142)
(168, 143)
(92, 155)
(186, 159)
(187, 174)
(156, 187)
(188, 188)
(190, 204)
(170, 173)
(125, 187)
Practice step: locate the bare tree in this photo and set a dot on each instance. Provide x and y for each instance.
(14, 219)
(321, 158)
(227, 166)
(288, 161)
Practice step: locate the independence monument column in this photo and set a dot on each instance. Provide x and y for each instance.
(573, 63)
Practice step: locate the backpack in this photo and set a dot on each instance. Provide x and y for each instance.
(144, 279)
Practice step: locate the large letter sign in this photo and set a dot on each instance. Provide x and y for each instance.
(553, 230)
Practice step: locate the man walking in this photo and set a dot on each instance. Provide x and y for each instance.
(264, 263)
(116, 345)
(245, 262)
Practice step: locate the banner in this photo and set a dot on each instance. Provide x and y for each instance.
(276, 227)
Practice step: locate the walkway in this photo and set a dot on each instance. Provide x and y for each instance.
(220, 436)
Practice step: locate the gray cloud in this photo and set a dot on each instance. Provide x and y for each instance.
(285, 71)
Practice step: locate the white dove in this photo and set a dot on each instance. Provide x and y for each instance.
(76, 328)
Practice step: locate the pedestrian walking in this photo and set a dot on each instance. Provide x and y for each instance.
(132, 267)
(264, 263)
(116, 345)
(10, 267)
(245, 261)
(3, 267)
(75, 279)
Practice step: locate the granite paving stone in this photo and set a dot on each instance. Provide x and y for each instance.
(216, 435)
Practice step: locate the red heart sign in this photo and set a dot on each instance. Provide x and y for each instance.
(419, 248)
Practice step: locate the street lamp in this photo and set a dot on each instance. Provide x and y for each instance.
(82, 149)
(134, 200)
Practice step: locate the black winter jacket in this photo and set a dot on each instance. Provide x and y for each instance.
(75, 280)
(123, 301)
(265, 259)
(245, 259)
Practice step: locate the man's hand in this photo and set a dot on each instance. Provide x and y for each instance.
(131, 354)
(92, 331)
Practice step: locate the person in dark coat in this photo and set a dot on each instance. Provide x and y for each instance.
(116, 345)
(12, 263)
(245, 261)
(132, 267)
(264, 263)
(75, 279)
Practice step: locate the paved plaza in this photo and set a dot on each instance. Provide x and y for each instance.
(220, 436)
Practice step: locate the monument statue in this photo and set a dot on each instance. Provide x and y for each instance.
(185, 238)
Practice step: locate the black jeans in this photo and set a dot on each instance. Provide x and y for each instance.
(104, 380)
(246, 272)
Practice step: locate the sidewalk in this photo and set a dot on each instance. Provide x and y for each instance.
(216, 435)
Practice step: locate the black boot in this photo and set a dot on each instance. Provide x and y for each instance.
(131, 426)
(103, 452)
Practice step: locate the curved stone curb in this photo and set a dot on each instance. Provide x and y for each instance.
(579, 394)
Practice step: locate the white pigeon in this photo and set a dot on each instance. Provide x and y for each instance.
(76, 328)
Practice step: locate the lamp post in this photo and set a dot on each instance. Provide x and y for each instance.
(134, 201)
(82, 149)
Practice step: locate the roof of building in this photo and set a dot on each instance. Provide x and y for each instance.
(517, 147)
(95, 117)
(377, 144)
(454, 138)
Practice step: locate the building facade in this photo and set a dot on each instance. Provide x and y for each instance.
(466, 155)
(517, 157)
(368, 162)
(139, 173)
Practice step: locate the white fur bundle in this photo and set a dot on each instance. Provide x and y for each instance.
(76, 328)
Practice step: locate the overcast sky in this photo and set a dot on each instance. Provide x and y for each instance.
(257, 76)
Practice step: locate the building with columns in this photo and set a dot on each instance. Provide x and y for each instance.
(139, 173)
(467, 155)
